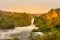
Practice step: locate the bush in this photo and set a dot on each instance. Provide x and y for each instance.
(57, 27)
(54, 35)
(13, 39)
(44, 29)
(10, 26)
(35, 30)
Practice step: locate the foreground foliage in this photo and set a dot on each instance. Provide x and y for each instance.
(54, 35)
(13, 39)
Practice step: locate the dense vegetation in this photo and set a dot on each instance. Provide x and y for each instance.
(48, 21)
(48, 36)
(9, 20)
(13, 39)
(48, 24)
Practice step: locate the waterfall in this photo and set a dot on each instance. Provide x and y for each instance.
(32, 21)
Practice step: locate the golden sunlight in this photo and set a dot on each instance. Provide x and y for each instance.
(28, 9)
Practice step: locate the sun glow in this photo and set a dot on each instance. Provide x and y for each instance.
(28, 9)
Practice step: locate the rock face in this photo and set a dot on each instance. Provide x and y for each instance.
(52, 14)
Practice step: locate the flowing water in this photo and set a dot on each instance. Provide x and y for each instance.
(20, 32)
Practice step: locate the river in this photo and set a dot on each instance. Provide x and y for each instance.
(20, 32)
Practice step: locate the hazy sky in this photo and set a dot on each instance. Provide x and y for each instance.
(30, 6)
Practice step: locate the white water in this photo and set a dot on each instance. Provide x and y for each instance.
(32, 21)
(20, 32)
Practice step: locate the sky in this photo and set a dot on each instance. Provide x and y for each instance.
(29, 6)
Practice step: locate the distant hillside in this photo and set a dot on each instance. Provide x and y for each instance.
(50, 18)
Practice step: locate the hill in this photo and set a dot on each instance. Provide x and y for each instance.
(48, 20)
